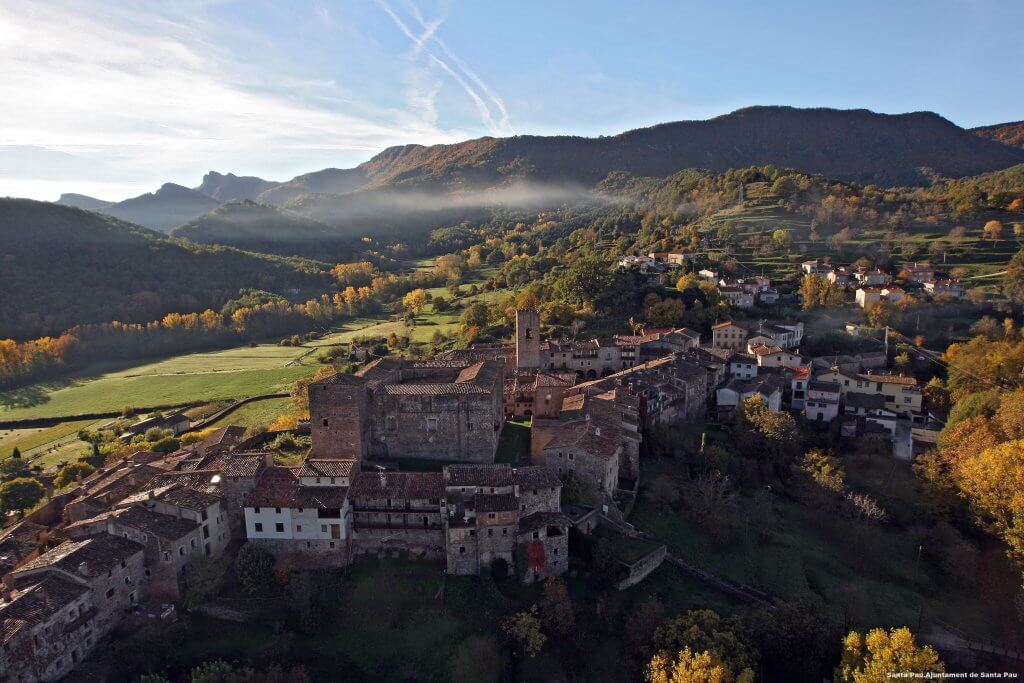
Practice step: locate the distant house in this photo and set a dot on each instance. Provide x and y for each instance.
(176, 423)
(728, 335)
(798, 387)
(917, 272)
(743, 366)
(868, 296)
(774, 356)
(902, 395)
(768, 297)
(872, 278)
(737, 296)
(863, 409)
(822, 404)
(953, 288)
(840, 277)
(893, 294)
(815, 267)
(707, 274)
(735, 391)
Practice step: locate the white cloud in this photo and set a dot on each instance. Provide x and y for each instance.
(453, 67)
(111, 98)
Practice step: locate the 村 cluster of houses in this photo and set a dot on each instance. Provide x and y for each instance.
(874, 285)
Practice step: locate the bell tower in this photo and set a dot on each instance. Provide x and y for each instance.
(528, 339)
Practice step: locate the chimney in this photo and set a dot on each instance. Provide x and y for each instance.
(268, 459)
(150, 494)
(597, 431)
(83, 568)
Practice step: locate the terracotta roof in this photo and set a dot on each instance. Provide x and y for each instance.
(889, 379)
(727, 323)
(38, 603)
(276, 487)
(151, 522)
(495, 502)
(397, 485)
(315, 467)
(539, 520)
(478, 475)
(100, 553)
(536, 477)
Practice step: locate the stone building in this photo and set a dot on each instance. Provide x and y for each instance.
(302, 513)
(499, 513)
(190, 500)
(588, 439)
(399, 511)
(58, 606)
(436, 410)
(528, 339)
(168, 542)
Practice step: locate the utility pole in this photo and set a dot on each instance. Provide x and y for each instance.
(887, 342)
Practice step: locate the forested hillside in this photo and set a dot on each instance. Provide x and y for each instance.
(163, 210)
(61, 266)
(249, 225)
(1011, 134)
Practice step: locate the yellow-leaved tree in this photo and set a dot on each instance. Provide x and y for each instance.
(415, 301)
(874, 657)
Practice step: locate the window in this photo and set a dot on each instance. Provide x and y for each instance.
(431, 424)
(298, 528)
(259, 527)
(277, 511)
(490, 515)
(192, 542)
(167, 555)
(110, 593)
(490, 532)
(331, 544)
(279, 527)
(204, 515)
(504, 531)
(536, 534)
(462, 549)
(323, 528)
(325, 422)
(469, 426)
(181, 551)
(256, 510)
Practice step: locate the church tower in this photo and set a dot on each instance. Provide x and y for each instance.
(528, 339)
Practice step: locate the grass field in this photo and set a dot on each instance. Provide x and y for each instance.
(257, 413)
(112, 392)
(46, 446)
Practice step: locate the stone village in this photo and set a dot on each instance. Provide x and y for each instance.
(131, 528)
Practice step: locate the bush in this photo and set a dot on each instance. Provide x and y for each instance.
(254, 568)
(70, 473)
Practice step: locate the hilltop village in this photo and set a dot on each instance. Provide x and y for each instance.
(131, 528)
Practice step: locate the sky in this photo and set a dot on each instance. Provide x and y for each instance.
(112, 99)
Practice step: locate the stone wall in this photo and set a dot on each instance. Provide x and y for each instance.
(338, 419)
(436, 427)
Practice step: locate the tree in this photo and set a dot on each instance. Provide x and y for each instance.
(71, 472)
(204, 577)
(992, 230)
(641, 624)
(524, 628)
(875, 657)
(799, 641)
(254, 568)
(783, 239)
(556, 608)
(415, 301)
(20, 494)
(1013, 281)
(477, 314)
(706, 631)
(690, 667)
(585, 280)
(766, 435)
(440, 304)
